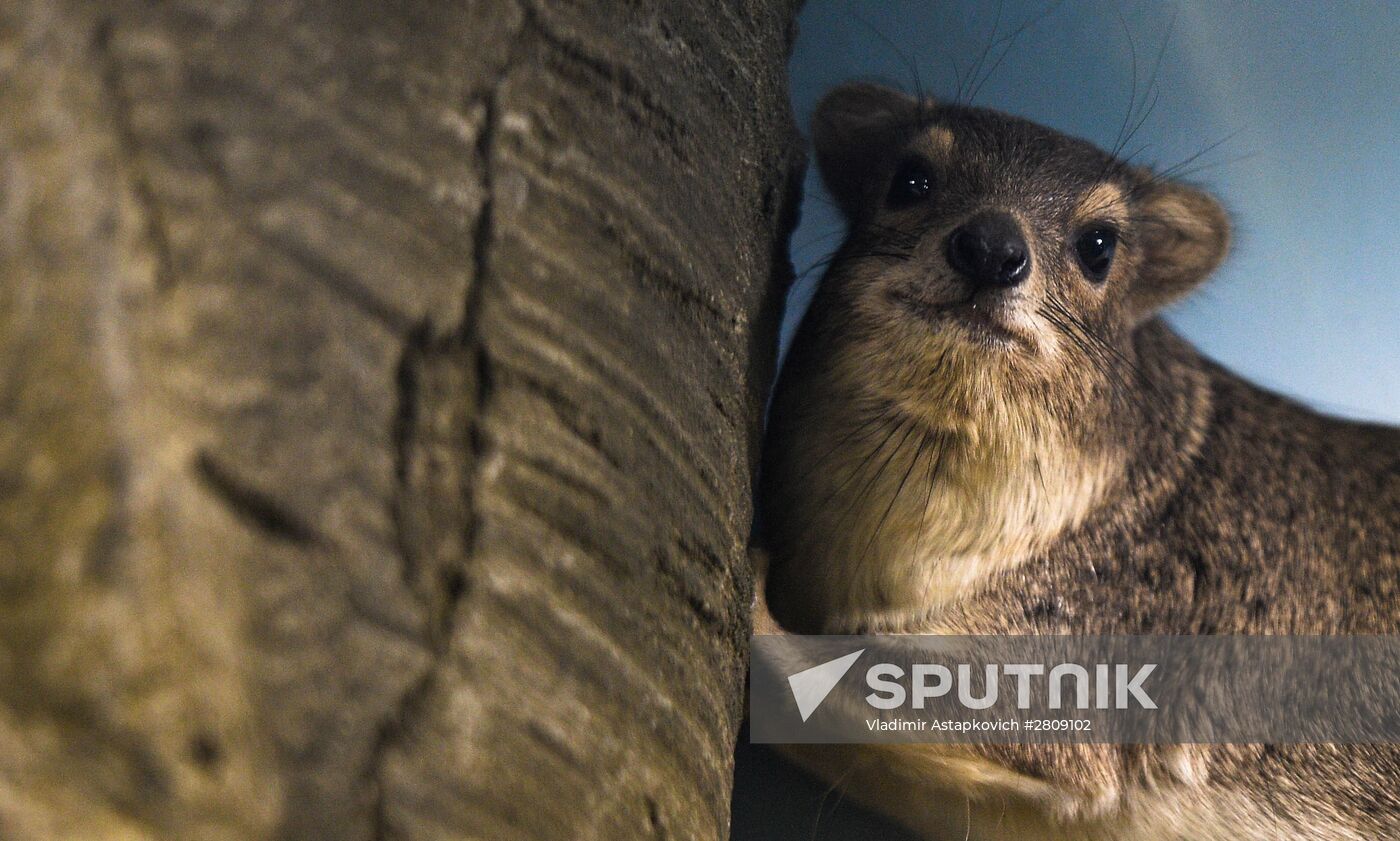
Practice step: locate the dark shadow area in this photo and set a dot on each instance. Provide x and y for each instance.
(775, 800)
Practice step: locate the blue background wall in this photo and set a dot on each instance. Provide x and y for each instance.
(1303, 98)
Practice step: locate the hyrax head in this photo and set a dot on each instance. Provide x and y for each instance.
(968, 382)
(993, 249)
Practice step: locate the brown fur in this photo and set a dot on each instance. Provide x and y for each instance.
(1083, 470)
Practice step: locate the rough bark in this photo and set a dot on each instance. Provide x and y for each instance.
(380, 386)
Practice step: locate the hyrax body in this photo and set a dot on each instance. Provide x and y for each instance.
(983, 427)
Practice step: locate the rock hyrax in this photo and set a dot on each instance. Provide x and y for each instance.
(984, 427)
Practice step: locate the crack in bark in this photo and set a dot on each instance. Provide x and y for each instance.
(655, 822)
(407, 389)
(453, 581)
(129, 148)
(322, 271)
(252, 504)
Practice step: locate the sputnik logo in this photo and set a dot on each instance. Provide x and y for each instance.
(811, 686)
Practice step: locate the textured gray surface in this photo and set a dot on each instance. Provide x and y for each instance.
(380, 386)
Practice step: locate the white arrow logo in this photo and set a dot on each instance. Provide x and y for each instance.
(811, 686)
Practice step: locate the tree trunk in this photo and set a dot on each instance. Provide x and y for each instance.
(380, 387)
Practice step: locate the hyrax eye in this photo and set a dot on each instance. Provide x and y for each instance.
(1095, 248)
(912, 183)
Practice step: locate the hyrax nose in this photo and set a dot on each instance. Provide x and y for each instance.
(989, 250)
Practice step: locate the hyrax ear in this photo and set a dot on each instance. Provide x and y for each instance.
(855, 129)
(1184, 235)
